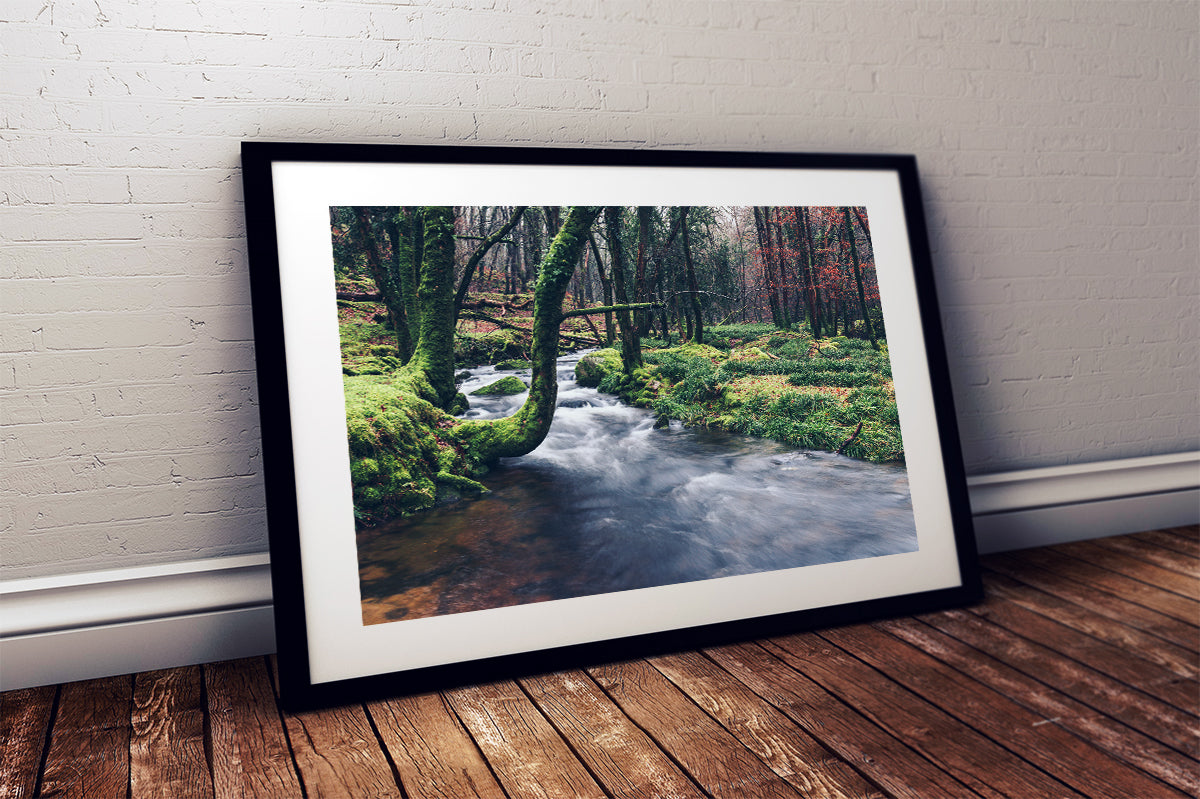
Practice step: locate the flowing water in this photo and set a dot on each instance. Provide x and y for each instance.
(608, 503)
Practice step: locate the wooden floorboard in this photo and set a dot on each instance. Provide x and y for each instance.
(1076, 677)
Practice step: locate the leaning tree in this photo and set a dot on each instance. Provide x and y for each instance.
(404, 440)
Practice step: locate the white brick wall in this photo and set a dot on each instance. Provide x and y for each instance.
(1057, 142)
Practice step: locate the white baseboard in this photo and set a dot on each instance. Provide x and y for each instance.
(1040, 507)
(81, 626)
(84, 653)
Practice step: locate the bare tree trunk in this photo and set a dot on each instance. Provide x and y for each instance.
(809, 267)
(862, 296)
(477, 256)
(606, 286)
(781, 263)
(764, 247)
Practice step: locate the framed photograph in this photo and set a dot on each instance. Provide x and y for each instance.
(524, 409)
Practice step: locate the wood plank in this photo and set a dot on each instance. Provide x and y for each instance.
(1151, 678)
(1052, 749)
(1180, 539)
(1132, 641)
(1156, 719)
(882, 758)
(1092, 552)
(24, 722)
(89, 742)
(1136, 591)
(1166, 558)
(791, 752)
(431, 750)
(619, 755)
(1107, 604)
(166, 752)
(250, 754)
(1053, 706)
(337, 754)
(525, 752)
(981, 763)
(721, 765)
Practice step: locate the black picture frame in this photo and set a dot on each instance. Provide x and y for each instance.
(289, 185)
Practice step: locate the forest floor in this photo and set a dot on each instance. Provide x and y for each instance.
(832, 394)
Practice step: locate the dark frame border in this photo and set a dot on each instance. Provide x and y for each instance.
(291, 630)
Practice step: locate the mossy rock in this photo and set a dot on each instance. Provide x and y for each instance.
(595, 366)
(504, 387)
(748, 354)
(471, 349)
(515, 363)
(398, 456)
(700, 351)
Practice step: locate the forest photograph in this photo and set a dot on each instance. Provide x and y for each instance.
(547, 402)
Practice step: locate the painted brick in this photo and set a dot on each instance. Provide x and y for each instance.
(27, 187)
(191, 187)
(106, 331)
(99, 223)
(104, 505)
(1057, 144)
(221, 533)
(159, 433)
(226, 393)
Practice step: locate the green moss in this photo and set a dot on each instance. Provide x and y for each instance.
(522, 432)
(399, 448)
(514, 363)
(505, 386)
(701, 351)
(368, 348)
(472, 349)
(463, 484)
(779, 386)
(749, 354)
(595, 366)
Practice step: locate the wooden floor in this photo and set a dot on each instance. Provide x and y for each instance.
(1076, 677)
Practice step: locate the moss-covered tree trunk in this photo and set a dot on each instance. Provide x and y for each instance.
(433, 358)
(407, 260)
(695, 329)
(640, 291)
(385, 277)
(631, 347)
(522, 432)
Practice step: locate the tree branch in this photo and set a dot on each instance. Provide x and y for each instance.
(845, 444)
(629, 306)
(354, 296)
(482, 317)
(477, 256)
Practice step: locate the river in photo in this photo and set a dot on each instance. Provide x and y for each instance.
(608, 503)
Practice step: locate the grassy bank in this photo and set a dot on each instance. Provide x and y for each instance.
(835, 394)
